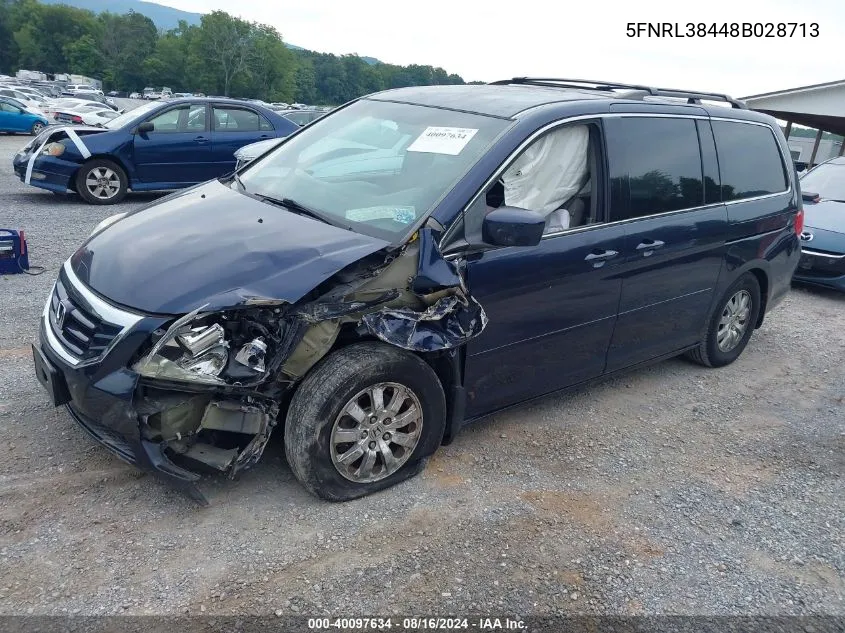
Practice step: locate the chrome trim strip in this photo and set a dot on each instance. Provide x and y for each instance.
(763, 197)
(804, 251)
(52, 341)
(105, 311)
(640, 217)
(616, 115)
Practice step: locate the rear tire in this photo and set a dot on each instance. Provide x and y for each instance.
(338, 455)
(731, 325)
(101, 181)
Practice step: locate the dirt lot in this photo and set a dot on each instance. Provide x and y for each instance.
(676, 489)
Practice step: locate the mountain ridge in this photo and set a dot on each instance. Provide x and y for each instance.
(165, 18)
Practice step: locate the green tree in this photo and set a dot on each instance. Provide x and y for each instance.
(83, 56)
(8, 52)
(41, 33)
(272, 66)
(306, 81)
(127, 41)
(166, 66)
(225, 44)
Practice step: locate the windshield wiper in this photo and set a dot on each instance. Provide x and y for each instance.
(300, 209)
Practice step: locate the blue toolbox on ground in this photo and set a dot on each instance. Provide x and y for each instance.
(13, 254)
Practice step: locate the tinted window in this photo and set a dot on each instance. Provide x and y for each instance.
(264, 124)
(236, 120)
(655, 166)
(5, 107)
(749, 160)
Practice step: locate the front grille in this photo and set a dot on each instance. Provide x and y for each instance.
(81, 331)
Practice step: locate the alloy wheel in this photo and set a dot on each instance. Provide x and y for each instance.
(102, 183)
(376, 432)
(734, 321)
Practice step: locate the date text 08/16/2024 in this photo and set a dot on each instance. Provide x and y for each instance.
(724, 29)
(416, 624)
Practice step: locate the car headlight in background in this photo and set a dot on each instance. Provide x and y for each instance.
(108, 221)
(196, 348)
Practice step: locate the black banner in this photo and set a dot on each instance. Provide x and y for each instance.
(403, 624)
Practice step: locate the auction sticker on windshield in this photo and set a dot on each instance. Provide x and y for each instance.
(443, 140)
(403, 215)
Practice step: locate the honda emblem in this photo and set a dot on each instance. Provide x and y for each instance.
(61, 314)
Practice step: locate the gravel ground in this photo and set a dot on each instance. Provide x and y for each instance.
(675, 489)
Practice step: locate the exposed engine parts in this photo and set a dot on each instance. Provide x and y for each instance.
(231, 371)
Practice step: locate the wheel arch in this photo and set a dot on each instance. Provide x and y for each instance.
(102, 156)
(448, 366)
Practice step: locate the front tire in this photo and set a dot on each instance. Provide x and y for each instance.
(101, 181)
(37, 128)
(364, 419)
(731, 324)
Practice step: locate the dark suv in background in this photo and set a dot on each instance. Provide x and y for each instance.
(416, 259)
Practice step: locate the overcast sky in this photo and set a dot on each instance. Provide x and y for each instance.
(488, 40)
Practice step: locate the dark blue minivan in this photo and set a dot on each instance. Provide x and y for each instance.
(417, 259)
(157, 146)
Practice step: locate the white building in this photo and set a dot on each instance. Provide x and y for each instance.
(820, 106)
(801, 148)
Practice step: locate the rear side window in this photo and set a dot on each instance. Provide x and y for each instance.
(750, 162)
(239, 120)
(655, 166)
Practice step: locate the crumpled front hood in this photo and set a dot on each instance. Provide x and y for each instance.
(827, 215)
(212, 245)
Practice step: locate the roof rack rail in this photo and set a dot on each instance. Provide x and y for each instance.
(692, 96)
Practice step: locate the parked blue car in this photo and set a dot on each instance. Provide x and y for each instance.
(823, 238)
(16, 117)
(157, 146)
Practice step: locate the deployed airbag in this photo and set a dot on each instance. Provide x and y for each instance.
(549, 173)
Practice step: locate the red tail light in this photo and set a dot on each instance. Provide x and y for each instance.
(23, 243)
(76, 119)
(799, 222)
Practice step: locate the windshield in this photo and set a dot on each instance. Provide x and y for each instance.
(375, 166)
(827, 180)
(131, 115)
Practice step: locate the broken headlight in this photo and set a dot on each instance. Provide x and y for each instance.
(215, 349)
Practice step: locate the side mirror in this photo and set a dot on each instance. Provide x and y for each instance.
(146, 126)
(512, 226)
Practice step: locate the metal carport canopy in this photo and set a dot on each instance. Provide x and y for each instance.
(821, 106)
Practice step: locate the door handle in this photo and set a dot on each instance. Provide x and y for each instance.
(265, 136)
(648, 246)
(599, 257)
(200, 140)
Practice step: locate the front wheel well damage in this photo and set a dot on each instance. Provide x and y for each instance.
(409, 298)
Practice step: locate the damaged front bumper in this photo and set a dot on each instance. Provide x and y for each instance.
(175, 431)
(124, 376)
